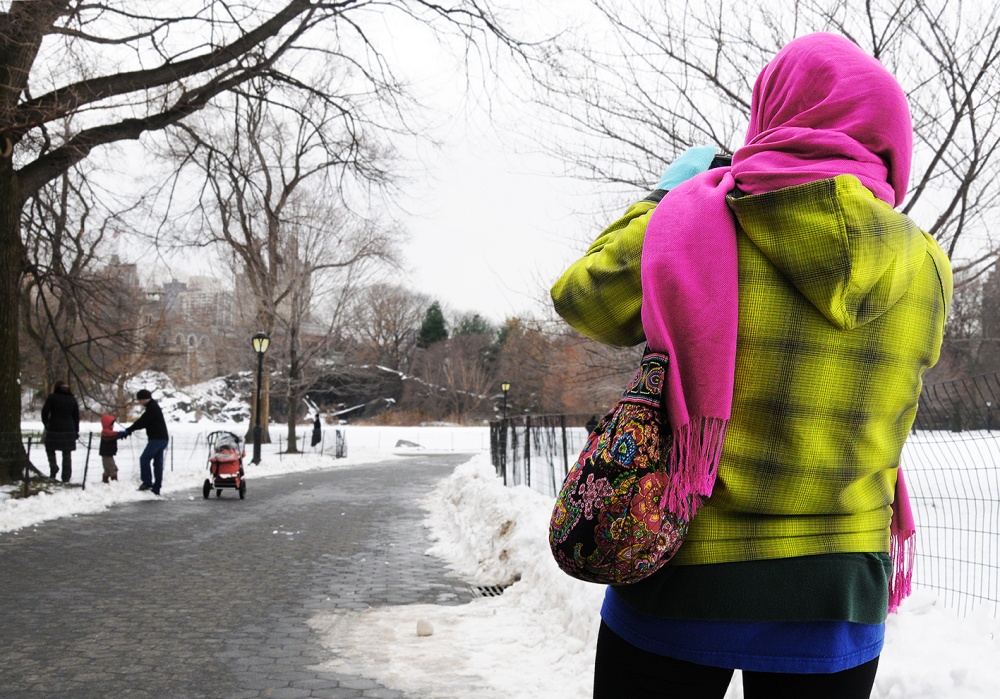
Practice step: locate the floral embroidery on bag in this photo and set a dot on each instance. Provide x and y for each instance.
(608, 525)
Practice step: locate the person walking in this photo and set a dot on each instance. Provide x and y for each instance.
(799, 311)
(157, 438)
(108, 448)
(61, 419)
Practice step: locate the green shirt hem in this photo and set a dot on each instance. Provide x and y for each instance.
(839, 587)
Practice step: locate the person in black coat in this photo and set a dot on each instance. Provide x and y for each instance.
(317, 435)
(157, 440)
(61, 418)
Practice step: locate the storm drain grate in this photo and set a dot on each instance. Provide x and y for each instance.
(488, 590)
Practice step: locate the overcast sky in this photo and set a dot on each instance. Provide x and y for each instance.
(495, 221)
(492, 231)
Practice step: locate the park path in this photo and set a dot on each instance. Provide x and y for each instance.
(179, 597)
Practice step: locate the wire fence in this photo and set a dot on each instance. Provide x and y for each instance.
(951, 463)
(954, 486)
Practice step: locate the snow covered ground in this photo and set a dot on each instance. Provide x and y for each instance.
(537, 639)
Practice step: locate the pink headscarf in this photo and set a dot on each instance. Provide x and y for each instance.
(821, 108)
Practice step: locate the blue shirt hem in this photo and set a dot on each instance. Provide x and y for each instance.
(806, 647)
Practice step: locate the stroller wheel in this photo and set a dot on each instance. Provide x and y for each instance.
(243, 490)
(206, 489)
(218, 493)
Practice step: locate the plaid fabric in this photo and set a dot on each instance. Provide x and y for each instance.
(842, 308)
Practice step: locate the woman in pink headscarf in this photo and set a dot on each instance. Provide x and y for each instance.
(799, 310)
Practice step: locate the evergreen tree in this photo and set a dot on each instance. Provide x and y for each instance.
(473, 324)
(433, 328)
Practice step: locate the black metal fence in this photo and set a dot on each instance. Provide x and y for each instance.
(951, 461)
(537, 450)
(965, 404)
(333, 442)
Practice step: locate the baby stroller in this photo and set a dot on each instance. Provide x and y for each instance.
(225, 462)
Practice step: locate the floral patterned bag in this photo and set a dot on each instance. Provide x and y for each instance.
(610, 524)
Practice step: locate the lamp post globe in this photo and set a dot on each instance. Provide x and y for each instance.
(505, 387)
(260, 343)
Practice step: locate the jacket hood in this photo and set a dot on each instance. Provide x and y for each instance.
(846, 251)
(107, 421)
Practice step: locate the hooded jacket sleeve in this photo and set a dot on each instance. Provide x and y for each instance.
(600, 295)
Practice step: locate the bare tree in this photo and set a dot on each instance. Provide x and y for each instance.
(385, 321)
(334, 257)
(138, 67)
(681, 74)
(269, 180)
(80, 313)
(586, 376)
(455, 377)
(523, 358)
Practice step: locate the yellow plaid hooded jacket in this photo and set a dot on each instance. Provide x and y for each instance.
(842, 306)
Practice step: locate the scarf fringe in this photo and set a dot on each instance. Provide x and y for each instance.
(694, 465)
(902, 550)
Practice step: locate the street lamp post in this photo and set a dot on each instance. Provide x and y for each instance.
(260, 343)
(505, 387)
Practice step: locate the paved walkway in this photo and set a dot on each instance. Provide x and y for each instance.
(186, 598)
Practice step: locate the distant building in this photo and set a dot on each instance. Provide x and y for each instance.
(197, 337)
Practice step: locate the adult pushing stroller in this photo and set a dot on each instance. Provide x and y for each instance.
(225, 463)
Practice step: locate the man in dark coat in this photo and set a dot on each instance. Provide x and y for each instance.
(157, 438)
(317, 435)
(61, 418)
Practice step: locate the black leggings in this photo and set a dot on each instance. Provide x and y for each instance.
(623, 671)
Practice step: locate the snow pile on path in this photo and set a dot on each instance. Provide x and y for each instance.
(536, 640)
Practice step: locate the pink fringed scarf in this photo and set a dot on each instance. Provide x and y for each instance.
(903, 549)
(820, 108)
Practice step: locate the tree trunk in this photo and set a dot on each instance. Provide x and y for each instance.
(292, 393)
(12, 455)
(293, 416)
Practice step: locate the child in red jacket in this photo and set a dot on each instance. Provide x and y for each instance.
(108, 448)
